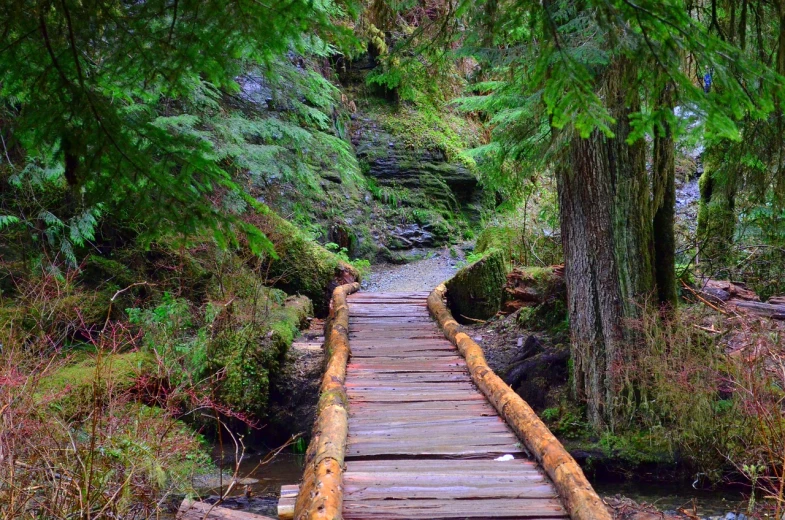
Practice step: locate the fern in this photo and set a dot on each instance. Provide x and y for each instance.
(7, 221)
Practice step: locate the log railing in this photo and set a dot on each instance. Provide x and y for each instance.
(578, 496)
(321, 493)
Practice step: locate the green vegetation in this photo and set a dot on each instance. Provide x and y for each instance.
(426, 128)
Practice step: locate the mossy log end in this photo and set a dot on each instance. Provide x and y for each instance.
(579, 498)
(476, 292)
(321, 493)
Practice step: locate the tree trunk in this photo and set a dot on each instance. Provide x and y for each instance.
(716, 214)
(665, 207)
(607, 239)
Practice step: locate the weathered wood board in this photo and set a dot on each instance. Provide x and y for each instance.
(422, 439)
(195, 510)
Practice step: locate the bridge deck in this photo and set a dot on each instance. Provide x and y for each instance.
(422, 439)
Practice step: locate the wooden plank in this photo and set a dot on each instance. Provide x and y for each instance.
(395, 398)
(408, 386)
(475, 406)
(442, 466)
(434, 378)
(424, 422)
(195, 510)
(420, 490)
(411, 438)
(286, 502)
(430, 450)
(453, 509)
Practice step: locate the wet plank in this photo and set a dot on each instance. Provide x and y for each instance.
(507, 507)
(423, 441)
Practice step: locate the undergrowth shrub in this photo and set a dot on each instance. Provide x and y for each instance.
(527, 233)
(75, 441)
(717, 406)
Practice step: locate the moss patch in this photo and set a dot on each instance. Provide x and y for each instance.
(250, 356)
(70, 389)
(303, 266)
(504, 238)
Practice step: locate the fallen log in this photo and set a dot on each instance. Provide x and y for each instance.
(733, 290)
(579, 498)
(321, 492)
(768, 310)
(533, 286)
(195, 510)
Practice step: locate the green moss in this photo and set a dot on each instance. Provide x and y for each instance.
(251, 356)
(424, 128)
(70, 389)
(635, 448)
(504, 238)
(716, 218)
(477, 290)
(99, 269)
(303, 266)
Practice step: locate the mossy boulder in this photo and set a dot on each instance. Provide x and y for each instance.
(477, 290)
(251, 356)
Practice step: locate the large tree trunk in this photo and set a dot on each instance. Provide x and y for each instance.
(716, 211)
(607, 239)
(665, 207)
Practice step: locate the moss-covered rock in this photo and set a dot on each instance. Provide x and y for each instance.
(477, 290)
(250, 356)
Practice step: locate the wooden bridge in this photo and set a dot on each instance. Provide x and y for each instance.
(412, 424)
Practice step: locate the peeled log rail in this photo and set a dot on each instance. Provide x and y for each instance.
(580, 499)
(321, 493)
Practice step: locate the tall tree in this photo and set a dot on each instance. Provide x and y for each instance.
(571, 94)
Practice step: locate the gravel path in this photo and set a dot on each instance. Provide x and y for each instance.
(420, 275)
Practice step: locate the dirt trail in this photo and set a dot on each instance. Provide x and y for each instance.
(420, 275)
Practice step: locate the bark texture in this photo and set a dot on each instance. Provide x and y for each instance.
(608, 248)
(665, 207)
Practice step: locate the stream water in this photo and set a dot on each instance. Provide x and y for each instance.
(670, 497)
(259, 482)
(265, 481)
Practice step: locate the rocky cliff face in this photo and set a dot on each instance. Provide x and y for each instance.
(431, 193)
(391, 164)
(401, 187)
